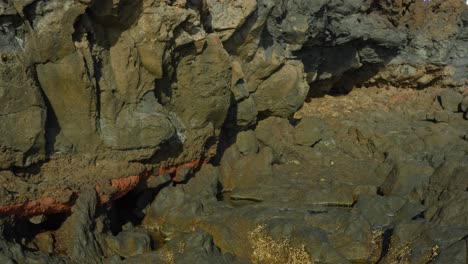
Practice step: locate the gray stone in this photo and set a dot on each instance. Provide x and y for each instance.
(137, 128)
(45, 242)
(282, 230)
(446, 236)
(246, 142)
(203, 93)
(205, 184)
(464, 104)
(442, 116)
(6, 260)
(246, 40)
(228, 165)
(409, 211)
(349, 233)
(246, 171)
(455, 254)
(246, 112)
(408, 179)
(403, 236)
(78, 231)
(308, 132)
(71, 94)
(38, 219)
(22, 117)
(194, 247)
(158, 181)
(15, 253)
(129, 243)
(195, 198)
(53, 27)
(450, 100)
(226, 17)
(265, 63)
(276, 133)
(239, 90)
(378, 210)
(454, 212)
(283, 92)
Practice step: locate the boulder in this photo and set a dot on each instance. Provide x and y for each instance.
(203, 81)
(78, 232)
(308, 132)
(246, 112)
(283, 92)
(245, 171)
(276, 133)
(408, 179)
(464, 104)
(450, 100)
(228, 16)
(378, 210)
(246, 142)
(129, 243)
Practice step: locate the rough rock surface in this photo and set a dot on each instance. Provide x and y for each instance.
(243, 131)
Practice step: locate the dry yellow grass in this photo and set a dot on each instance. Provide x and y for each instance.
(167, 256)
(267, 250)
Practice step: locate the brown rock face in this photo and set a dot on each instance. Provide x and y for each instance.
(97, 97)
(149, 80)
(22, 116)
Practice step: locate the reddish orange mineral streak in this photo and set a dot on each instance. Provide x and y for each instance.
(120, 188)
(45, 205)
(124, 185)
(193, 164)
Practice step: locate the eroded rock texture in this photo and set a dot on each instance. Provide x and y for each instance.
(177, 131)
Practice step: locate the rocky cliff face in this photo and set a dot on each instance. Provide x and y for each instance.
(105, 95)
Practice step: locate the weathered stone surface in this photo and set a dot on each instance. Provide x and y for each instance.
(228, 16)
(68, 88)
(348, 232)
(13, 252)
(202, 96)
(264, 63)
(283, 92)
(246, 112)
(195, 246)
(246, 142)
(246, 39)
(464, 104)
(378, 210)
(275, 133)
(129, 243)
(52, 23)
(450, 100)
(407, 178)
(454, 254)
(78, 232)
(45, 242)
(112, 113)
(246, 170)
(22, 117)
(308, 132)
(194, 199)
